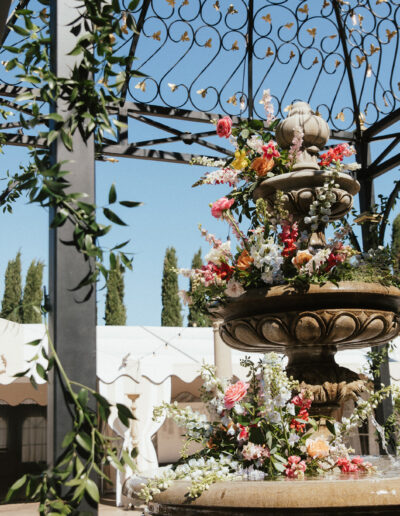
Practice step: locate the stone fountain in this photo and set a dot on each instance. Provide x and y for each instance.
(309, 327)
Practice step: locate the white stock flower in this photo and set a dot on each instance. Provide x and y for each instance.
(234, 288)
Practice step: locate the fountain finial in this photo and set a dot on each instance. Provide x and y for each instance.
(316, 134)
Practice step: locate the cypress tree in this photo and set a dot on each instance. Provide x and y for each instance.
(32, 294)
(11, 305)
(115, 309)
(197, 317)
(171, 305)
(396, 243)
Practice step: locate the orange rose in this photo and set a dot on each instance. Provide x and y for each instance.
(244, 261)
(262, 166)
(317, 448)
(301, 258)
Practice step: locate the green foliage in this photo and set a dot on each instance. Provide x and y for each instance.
(115, 308)
(171, 305)
(61, 488)
(33, 294)
(396, 243)
(197, 316)
(11, 304)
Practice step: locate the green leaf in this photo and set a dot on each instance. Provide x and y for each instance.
(68, 439)
(41, 371)
(130, 204)
(330, 426)
(83, 397)
(23, 373)
(20, 30)
(67, 140)
(17, 485)
(124, 414)
(33, 342)
(55, 116)
(113, 217)
(84, 441)
(112, 194)
(92, 490)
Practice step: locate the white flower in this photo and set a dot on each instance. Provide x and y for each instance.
(218, 254)
(256, 144)
(234, 288)
(293, 438)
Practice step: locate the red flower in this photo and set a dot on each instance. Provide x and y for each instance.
(288, 238)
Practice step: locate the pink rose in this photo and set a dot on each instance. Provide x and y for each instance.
(235, 393)
(224, 127)
(294, 459)
(218, 207)
(357, 460)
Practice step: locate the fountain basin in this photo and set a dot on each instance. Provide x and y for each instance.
(343, 316)
(300, 191)
(336, 494)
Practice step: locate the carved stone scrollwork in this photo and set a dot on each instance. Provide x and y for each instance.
(343, 328)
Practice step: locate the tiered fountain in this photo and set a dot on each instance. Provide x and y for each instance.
(309, 327)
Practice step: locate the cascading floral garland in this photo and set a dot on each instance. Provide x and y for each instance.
(259, 429)
(272, 250)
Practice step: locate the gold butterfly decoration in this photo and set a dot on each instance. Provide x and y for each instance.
(369, 70)
(317, 113)
(326, 4)
(287, 108)
(292, 54)
(216, 5)
(185, 2)
(360, 19)
(390, 34)
(231, 10)
(361, 118)
(340, 116)
(242, 103)
(203, 93)
(267, 18)
(374, 49)
(235, 46)
(315, 61)
(360, 59)
(173, 86)
(232, 100)
(380, 1)
(207, 44)
(157, 35)
(289, 25)
(312, 32)
(171, 3)
(112, 38)
(269, 52)
(332, 36)
(337, 63)
(141, 86)
(384, 101)
(185, 36)
(304, 9)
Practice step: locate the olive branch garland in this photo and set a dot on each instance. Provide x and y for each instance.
(95, 82)
(61, 488)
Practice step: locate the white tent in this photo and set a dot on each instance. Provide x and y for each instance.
(135, 366)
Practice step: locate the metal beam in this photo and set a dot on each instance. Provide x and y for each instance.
(72, 317)
(382, 124)
(384, 167)
(131, 151)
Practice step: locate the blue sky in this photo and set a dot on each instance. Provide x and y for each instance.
(171, 209)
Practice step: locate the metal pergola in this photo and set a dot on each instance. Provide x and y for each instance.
(343, 54)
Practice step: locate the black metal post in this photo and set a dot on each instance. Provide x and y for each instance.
(4, 8)
(72, 317)
(369, 237)
(250, 29)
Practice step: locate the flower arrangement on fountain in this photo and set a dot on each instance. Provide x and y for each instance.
(275, 248)
(258, 429)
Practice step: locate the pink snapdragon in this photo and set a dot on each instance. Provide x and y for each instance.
(295, 148)
(244, 433)
(270, 150)
(235, 393)
(268, 106)
(295, 467)
(210, 238)
(218, 207)
(354, 465)
(224, 127)
(302, 400)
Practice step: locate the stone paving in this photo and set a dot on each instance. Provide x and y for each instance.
(30, 509)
